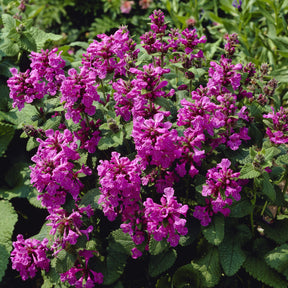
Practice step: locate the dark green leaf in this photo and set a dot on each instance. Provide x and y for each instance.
(161, 262)
(259, 269)
(214, 233)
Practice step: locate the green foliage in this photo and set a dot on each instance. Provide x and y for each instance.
(214, 233)
(8, 220)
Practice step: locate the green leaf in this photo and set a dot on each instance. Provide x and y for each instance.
(209, 268)
(277, 231)
(31, 144)
(8, 21)
(8, 219)
(161, 262)
(157, 247)
(27, 42)
(65, 261)
(115, 262)
(42, 37)
(259, 269)
(241, 209)
(187, 276)
(282, 160)
(231, 255)
(124, 239)
(278, 259)
(268, 188)
(6, 135)
(214, 233)
(91, 197)
(248, 172)
(9, 47)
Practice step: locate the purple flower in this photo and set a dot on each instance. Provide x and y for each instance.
(221, 189)
(79, 275)
(53, 174)
(67, 228)
(155, 141)
(28, 256)
(278, 129)
(25, 87)
(79, 93)
(164, 220)
(237, 4)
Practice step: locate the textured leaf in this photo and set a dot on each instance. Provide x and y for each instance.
(161, 262)
(115, 263)
(282, 159)
(65, 261)
(124, 239)
(214, 233)
(27, 42)
(248, 172)
(209, 268)
(8, 21)
(42, 37)
(268, 188)
(240, 209)
(278, 259)
(259, 269)
(187, 276)
(9, 47)
(231, 254)
(8, 219)
(91, 197)
(157, 247)
(6, 135)
(277, 231)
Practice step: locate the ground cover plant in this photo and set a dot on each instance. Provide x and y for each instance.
(155, 165)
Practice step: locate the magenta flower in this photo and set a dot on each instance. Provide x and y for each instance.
(278, 131)
(67, 228)
(221, 189)
(28, 256)
(25, 87)
(164, 220)
(53, 174)
(155, 141)
(79, 275)
(79, 93)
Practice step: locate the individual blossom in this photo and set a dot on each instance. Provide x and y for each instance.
(277, 131)
(29, 256)
(237, 4)
(126, 6)
(79, 275)
(79, 92)
(53, 174)
(164, 220)
(221, 189)
(67, 228)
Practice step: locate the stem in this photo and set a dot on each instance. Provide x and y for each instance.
(104, 94)
(264, 207)
(40, 113)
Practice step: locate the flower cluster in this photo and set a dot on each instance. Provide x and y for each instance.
(79, 275)
(67, 228)
(44, 77)
(164, 220)
(28, 256)
(277, 132)
(53, 174)
(221, 188)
